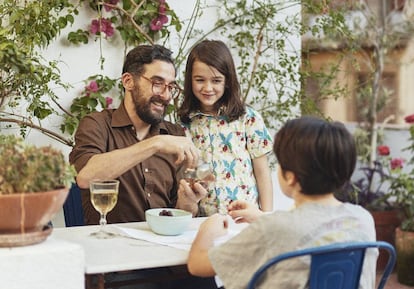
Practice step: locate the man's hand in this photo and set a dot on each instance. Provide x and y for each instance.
(187, 198)
(180, 146)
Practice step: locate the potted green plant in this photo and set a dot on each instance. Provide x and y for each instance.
(387, 189)
(33, 187)
(370, 188)
(402, 190)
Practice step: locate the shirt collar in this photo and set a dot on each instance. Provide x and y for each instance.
(120, 117)
(219, 115)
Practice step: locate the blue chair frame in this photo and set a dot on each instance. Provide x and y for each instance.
(72, 208)
(336, 266)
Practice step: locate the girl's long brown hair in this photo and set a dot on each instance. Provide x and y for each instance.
(216, 54)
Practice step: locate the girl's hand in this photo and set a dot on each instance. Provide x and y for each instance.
(243, 212)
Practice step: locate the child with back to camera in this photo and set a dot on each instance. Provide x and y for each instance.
(315, 158)
(230, 136)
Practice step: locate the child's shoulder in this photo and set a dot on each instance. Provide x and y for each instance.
(252, 116)
(251, 112)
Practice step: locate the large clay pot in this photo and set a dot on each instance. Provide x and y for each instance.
(404, 243)
(24, 217)
(385, 224)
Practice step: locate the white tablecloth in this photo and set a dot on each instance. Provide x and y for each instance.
(52, 264)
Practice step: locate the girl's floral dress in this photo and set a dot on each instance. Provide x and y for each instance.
(229, 147)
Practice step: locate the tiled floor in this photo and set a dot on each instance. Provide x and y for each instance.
(392, 283)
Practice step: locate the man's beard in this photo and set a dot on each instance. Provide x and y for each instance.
(143, 107)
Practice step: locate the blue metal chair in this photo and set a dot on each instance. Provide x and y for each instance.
(336, 266)
(72, 208)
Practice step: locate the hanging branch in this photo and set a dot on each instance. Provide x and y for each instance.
(45, 131)
(255, 60)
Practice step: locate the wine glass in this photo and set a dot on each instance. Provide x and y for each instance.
(104, 195)
(202, 174)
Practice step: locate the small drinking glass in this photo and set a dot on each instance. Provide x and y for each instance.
(104, 195)
(202, 174)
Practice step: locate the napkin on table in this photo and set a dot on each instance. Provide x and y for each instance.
(182, 241)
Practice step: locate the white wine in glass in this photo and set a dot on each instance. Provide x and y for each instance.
(104, 195)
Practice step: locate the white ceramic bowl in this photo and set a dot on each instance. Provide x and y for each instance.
(168, 225)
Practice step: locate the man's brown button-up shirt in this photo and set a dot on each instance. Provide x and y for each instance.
(150, 184)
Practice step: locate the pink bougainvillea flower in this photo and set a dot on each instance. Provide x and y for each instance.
(157, 23)
(397, 163)
(161, 9)
(92, 86)
(94, 26)
(113, 2)
(102, 25)
(109, 101)
(409, 118)
(383, 150)
(163, 19)
(106, 27)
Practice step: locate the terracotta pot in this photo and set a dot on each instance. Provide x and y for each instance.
(29, 212)
(404, 243)
(385, 224)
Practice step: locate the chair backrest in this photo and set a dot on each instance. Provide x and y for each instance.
(336, 266)
(72, 208)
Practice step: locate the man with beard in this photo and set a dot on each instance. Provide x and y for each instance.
(135, 145)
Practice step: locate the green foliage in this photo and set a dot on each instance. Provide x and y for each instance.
(402, 187)
(402, 183)
(134, 27)
(131, 19)
(266, 59)
(90, 100)
(78, 37)
(261, 71)
(26, 27)
(359, 33)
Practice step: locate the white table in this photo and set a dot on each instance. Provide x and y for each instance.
(51, 264)
(120, 253)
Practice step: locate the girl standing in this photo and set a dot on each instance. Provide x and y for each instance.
(231, 136)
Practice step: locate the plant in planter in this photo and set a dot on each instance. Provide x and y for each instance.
(402, 189)
(33, 187)
(362, 191)
(371, 188)
(388, 187)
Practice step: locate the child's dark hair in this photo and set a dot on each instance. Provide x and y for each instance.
(321, 154)
(216, 54)
(145, 54)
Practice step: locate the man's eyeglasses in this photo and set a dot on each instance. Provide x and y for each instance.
(159, 87)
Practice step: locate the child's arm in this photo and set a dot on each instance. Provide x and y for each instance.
(264, 183)
(198, 262)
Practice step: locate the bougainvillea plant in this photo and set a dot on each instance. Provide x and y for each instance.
(137, 23)
(402, 181)
(387, 184)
